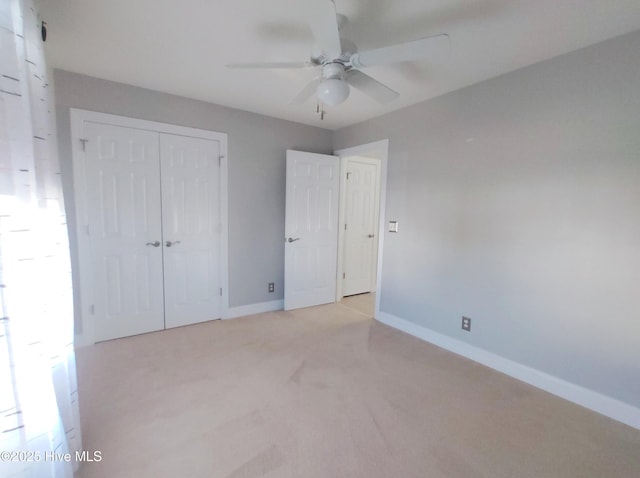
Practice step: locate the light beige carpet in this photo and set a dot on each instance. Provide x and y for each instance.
(327, 392)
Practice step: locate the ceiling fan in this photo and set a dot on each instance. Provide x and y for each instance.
(342, 67)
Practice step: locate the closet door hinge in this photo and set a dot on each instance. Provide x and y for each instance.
(220, 158)
(84, 143)
(220, 291)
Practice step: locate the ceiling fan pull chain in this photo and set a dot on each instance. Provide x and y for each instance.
(320, 110)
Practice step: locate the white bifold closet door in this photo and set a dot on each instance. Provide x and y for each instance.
(154, 229)
(190, 229)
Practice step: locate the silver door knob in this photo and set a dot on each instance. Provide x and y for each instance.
(154, 244)
(291, 239)
(169, 243)
(371, 236)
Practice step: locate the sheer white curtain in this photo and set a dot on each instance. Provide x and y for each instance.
(39, 421)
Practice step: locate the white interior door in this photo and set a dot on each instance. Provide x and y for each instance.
(191, 229)
(123, 188)
(311, 222)
(361, 224)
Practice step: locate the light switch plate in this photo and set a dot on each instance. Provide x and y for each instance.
(393, 226)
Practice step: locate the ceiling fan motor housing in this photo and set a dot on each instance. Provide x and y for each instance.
(333, 71)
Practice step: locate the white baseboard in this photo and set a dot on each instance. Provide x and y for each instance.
(81, 340)
(251, 309)
(595, 401)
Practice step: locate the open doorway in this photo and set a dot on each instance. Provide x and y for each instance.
(361, 218)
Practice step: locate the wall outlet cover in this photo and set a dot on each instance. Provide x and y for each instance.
(466, 323)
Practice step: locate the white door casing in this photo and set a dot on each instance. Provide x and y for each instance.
(311, 229)
(361, 225)
(212, 229)
(191, 229)
(123, 188)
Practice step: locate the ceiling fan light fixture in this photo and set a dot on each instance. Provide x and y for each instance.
(341, 61)
(333, 91)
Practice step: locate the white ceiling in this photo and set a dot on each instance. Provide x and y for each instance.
(181, 46)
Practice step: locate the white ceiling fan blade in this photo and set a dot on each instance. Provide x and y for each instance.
(410, 51)
(306, 92)
(371, 87)
(324, 25)
(271, 65)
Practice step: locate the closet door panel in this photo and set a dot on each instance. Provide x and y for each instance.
(123, 187)
(190, 173)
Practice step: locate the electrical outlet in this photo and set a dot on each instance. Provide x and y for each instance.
(466, 323)
(272, 287)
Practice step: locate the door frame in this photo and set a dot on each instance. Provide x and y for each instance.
(376, 150)
(84, 292)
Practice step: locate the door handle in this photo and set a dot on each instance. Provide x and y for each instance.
(291, 239)
(169, 243)
(154, 244)
(371, 236)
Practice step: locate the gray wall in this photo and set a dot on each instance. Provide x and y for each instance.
(518, 201)
(257, 146)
